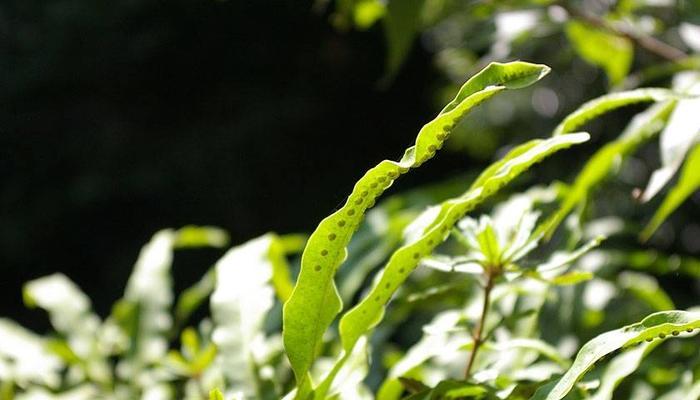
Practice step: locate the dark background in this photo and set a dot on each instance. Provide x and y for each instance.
(121, 118)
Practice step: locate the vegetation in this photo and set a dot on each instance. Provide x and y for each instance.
(500, 285)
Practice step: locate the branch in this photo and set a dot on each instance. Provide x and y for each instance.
(477, 336)
(647, 42)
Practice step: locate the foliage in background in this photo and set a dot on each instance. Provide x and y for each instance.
(468, 289)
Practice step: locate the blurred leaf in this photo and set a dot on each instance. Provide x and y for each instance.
(215, 394)
(610, 102)
(647, 289)
(24, 357)
(687, 184)
(200, 236)
(680, 134)
(453, 389)
(192, 297)
(367, 12)
(242, 298)
(603, 163)
(602, 48)
(401, 24)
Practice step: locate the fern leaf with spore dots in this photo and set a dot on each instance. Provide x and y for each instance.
(368, 313)
(658, 325)
(315, 302)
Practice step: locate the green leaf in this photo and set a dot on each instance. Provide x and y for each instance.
(645, 288)
(192, 297)
(200, 236)
(620, 367)
(658, 325)
(452, 389)
(367, 12)
(571, 278)
(315, 302)
(215, 394)
(601, 48)
(603, 163)
(367, 314)
(609, 102)
(680, 134)
(687, 184)
(401, 24)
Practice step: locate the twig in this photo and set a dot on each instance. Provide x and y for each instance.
(477, 336)
(647, 42)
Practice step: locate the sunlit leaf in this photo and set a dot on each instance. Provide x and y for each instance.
(315, 302)
(603, 163)
(24, 357)
(678, 137)
(610, 102)
(687, 184)
(620, 367)
(242, 297)
(367, 314)
(659, 325)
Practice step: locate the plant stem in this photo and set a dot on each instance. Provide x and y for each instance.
(647, 42)
(479, 332)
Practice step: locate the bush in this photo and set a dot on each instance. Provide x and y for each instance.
(482, 291)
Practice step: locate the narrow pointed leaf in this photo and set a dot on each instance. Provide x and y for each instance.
(658, 325)
(367, 314)
(642, 128)
(315, 302)
(601, 48)
(607, 103)
(687, 184)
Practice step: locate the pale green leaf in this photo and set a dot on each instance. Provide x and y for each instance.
(659, 325)
(680, 134)
(24, 357)
(242, 298)
(192, 297)
(603, 49)
(620, 367)
(71, 315)
(315, 302)
(440, 337)
(609, 102)
(687, 184)
(201, 236)
(645, 288)
(401, 24)
(68, 307)
(571, 278)
(603, 163)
